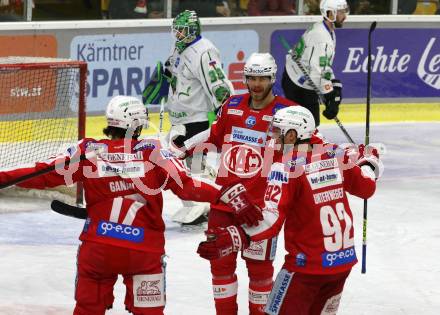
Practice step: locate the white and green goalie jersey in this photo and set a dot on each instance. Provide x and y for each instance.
(316, 51)
(199, 84)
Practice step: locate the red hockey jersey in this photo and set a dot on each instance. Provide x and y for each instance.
(307, 193)
(240, 134)
(123, 187)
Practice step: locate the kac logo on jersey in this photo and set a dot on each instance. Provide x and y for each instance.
(243, 160)
(120, 231)
(251, 121)
(340, 257)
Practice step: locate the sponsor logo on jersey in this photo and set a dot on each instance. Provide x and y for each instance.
(296, 162)
(125, 170)
(278, 292)
(235, 101)
(149, 290)
(251, 121)
(320, 165)
(325, 178)
(267, 118)
(144, 145)
(256, 250)
(86, 225)
(341, 257)
(252, 137)
(167, 154)
(329, 195)
(301, 260)
(277, 107)
(120, 231)
(273, 248)
(236, 112)
(121, 157)
(278, 177)
(91, 145)
(224, 290)
(243, 160)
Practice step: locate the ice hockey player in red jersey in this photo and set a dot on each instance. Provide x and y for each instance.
(240, 134)
(306, 191)
(123, 180)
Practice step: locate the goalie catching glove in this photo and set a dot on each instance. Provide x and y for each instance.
(175, 140)
(245, 212)
(222, 242)
(333, 100)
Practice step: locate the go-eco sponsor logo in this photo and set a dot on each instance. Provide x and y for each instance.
(120, 231)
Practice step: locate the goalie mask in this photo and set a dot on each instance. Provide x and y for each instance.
(126, 112)
(297, 118)
(186, 28)
(262, 65)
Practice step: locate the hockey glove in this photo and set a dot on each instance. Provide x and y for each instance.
(332, 100)
(245, 212)
(369, 161)
(175, 138)
(222, 242)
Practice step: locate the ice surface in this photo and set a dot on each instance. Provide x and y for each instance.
(38, 247)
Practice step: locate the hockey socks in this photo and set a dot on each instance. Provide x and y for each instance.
(258, 295)
(225, 295)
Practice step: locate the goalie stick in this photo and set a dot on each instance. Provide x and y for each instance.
(367, 142)
(318, 92)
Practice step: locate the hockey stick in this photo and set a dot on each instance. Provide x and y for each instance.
(68, 210)
(320, 96)
(48, 169)
(367, 141)
(161, 116)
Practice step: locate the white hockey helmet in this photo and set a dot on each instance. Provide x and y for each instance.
(333, 6)
(261, 65)
(297, 118)
(126, 112)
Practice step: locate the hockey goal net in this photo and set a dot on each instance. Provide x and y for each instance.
(42, 113)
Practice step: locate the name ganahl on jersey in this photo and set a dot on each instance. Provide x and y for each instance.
(244, 157)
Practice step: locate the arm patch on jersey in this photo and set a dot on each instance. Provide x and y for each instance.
(235, 101)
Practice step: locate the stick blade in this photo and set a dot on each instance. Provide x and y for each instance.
(373, 26)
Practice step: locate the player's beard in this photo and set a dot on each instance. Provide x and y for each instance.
(261, 94)
(339, 24)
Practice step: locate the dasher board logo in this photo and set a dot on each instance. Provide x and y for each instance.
(324, 179)
(429, 70)
(405, 62)
(247, 136)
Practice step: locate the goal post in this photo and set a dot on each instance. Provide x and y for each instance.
(42, 110)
